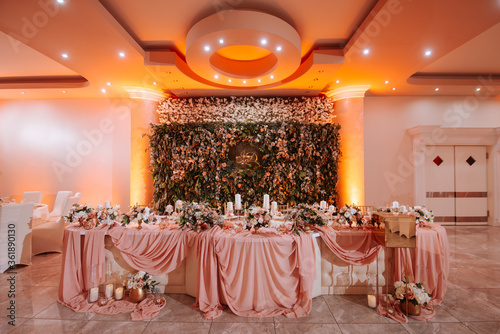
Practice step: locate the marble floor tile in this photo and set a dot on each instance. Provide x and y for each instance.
(229, 316)
(441, 328)
(320, 313)
(298, 328)
(179, 308)
(47, 326)
(5, 327)
(242, 328)
(352, 309)
(113, 327)
(178, 328)
(61, 312)
(484, 327)
(372, 329)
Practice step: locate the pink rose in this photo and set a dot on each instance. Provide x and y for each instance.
(139, 285)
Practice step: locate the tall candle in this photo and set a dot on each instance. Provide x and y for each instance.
(107, 204)
(237, 202)
(395, 204)
(322, 205)
(93, 295)
(266, 202)
(109, 290)
(274, 207)
(119, 293)
(372, 301)
(229, 208)
(331, 208)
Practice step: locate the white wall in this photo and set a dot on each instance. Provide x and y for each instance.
(388, 147)
(82, 145)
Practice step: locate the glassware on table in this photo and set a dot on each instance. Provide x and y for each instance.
(93, 293)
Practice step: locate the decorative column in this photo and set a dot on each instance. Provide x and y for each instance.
(144, 103)
(349, 109)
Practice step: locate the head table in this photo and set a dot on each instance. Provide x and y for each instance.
(254, 274)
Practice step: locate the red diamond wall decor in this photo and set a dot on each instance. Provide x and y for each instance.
(437, 160)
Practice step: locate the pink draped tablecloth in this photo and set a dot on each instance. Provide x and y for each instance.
(255, 274)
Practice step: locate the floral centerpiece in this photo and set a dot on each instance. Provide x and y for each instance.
(257, 218)
(198, 216)
(138, 214)
(350, 215)
(110, 214)
(305, 216)
(422, 215)
(413, 293)
(139, 282)
(79, 213)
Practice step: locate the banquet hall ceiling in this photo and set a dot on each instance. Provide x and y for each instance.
(94, 48)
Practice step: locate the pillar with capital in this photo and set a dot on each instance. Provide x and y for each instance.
(349, 109)
(144, 103)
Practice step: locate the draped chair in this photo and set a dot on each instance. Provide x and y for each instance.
(32, 197)
(59, 203)
(15, 222)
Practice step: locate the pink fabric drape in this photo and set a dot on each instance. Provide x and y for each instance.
(76, 280)
(428, 263)
(150, 249)
(257, 275)
(351, 246)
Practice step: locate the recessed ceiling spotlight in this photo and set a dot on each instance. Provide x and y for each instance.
(64, 55)
(436, 89)
(272, 76)
(64, 91)
(386, 82)
(221, 41)
(338, 81)
(206, 48)
(393, 88)
(60, 1)
(229, 80)
(263, 41)
(478, 89)
(154, 82)
(258, 80)
(278, 48)
(103, 90)
(428, 53)
(216, 76)
(244, 81)
(22, 92)
(108, 83)
(366, 51)
(121, 54)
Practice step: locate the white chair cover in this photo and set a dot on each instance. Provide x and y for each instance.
(48, 237)
(15, 222)
(69, 204)
(60, 202)
(32, 197)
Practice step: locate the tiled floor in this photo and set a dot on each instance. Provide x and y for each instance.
(471, 305)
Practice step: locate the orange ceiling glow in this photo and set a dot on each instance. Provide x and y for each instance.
(252, 47)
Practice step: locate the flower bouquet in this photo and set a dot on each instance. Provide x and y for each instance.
(351, 216)
(305, 216)
(198, 216)
(138, 214)
(412, 295)
(257, 218)
(108, 215)
(85, 215)
(422, 215)
(137, 284)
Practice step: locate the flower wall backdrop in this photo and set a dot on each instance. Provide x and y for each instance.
(295, 162)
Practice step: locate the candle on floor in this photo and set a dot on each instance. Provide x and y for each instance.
(372, 301)
(266, 202)
(93, 295)
(109, 290)
(119, 293)
(237, 202)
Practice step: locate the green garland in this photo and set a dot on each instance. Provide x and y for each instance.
(298, 162)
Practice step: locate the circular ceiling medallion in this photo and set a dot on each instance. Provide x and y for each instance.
(243, 49)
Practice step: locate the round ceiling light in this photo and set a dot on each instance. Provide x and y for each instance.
(243, 55)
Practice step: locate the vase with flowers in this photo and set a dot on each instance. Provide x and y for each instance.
(411, 296)
(138, 284)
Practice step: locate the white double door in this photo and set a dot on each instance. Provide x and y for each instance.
(456, 184)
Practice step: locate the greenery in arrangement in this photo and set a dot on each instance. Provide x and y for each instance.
(198, 216)
(297, 162)
(306, 215)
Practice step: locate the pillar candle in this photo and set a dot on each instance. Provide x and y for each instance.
(322, 205)
(372, 301)
(93, 295)
(331, 208)
(237, 202)
(107, 204)
(395, 204)
(109, 290)
(274, 207)
(229, 208)
(266, 202)
(119, 293)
